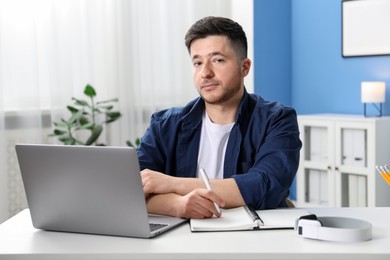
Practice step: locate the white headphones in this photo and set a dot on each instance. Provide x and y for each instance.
(337, 229)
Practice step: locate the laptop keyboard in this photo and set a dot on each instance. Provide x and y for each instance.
(155, 226)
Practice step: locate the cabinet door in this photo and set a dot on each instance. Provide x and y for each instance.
(351, 163)
(317, 183)
(315, 180)
(343, 169)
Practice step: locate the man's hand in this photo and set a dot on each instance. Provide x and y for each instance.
(157, 182)
(199, 204)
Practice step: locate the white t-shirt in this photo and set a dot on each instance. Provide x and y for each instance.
(212, 147)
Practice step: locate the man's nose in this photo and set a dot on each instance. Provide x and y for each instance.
(207, 72)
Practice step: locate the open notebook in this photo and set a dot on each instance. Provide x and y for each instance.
(245, 218)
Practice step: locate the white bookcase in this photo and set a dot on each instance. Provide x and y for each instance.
(338, 158)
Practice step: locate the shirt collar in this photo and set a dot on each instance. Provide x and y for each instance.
(194, 116)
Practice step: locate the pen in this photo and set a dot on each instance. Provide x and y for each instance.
(256, 218)
(208, 185)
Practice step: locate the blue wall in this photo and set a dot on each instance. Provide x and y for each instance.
(272, 50)
(298, 59)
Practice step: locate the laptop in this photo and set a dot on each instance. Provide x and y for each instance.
(88, 189)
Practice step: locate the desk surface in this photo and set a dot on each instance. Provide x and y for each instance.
(20, 240)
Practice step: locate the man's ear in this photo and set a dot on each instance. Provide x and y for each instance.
(245, 67)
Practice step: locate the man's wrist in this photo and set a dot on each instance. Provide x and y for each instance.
(183, 186)
(178, 185)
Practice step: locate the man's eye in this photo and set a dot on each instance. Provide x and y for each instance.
(219, 60)
(196, 64)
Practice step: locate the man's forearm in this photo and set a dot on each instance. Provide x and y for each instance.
(227, 189)
(159, 183)
(197, 203)
(163, 204)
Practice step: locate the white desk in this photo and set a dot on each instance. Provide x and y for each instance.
(19, 240)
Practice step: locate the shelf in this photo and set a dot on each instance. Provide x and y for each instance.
(338, 158)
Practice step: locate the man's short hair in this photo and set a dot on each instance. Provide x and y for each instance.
(222, 26)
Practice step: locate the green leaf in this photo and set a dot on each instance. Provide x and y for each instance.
(137, 143)
(75, 116)
(72, 109)
(110, 120)
(97, 110)
(65, 123)
(89, 91)
(60, 124)
(94, 135)
(64, 138)
(70, 141)
(86, 126)
(84, 120)
(107, 101)
(109, 107)
(115, 114)
(81, 102)
(59, 132)
(112, 116)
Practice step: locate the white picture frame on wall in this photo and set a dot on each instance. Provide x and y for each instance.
(365, 27)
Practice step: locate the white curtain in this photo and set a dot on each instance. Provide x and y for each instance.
(130, 49)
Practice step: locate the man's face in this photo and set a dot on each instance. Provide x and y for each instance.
(217, 74)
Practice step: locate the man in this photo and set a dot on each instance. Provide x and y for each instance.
(248, 146)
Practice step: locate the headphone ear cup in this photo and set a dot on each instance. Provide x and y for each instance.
(309, 217)
(309, 223)
(306, 223)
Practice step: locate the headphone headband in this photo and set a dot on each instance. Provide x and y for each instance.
(338, 229)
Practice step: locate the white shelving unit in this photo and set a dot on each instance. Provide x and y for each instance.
(338, 158)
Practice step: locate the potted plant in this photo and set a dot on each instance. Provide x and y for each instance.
(86, 115)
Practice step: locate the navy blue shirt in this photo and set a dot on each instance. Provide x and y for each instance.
(262, 153)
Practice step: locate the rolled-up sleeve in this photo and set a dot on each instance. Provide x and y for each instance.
(267, 180)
